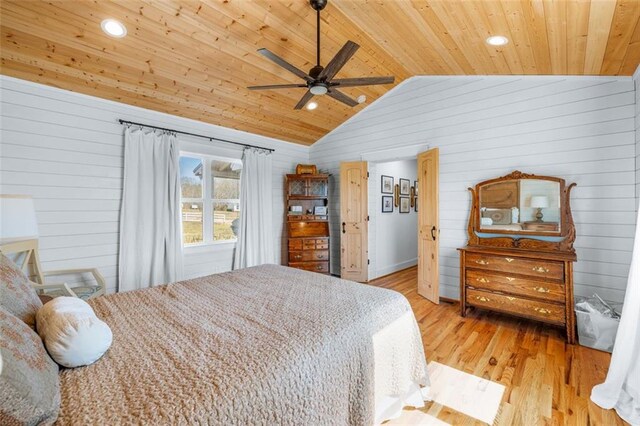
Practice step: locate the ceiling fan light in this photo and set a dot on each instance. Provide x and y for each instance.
(318, 90)
(312, 105)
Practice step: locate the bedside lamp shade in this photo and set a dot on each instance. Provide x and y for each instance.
(539, 201)
(17, 218)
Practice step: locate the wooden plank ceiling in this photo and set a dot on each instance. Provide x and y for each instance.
(196, 58)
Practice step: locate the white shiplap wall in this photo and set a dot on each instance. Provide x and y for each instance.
(66, 150)
(578, 128)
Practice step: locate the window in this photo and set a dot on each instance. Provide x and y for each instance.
(210, 190)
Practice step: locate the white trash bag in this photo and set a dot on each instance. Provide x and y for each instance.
(597, 323)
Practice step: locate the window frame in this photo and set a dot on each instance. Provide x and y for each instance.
(207, 200)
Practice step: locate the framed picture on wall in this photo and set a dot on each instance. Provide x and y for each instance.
(415, 206)
(405, 186)
(415, 186)
(386, 184)
(405, 205)
(387, 204)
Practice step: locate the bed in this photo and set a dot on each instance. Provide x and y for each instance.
(267, 344)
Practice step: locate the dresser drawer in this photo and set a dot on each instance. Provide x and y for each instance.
(295, 244)
(322, 267)
(304, 256)
(541, 226)
(542, 311)
(322, 244)
(515, 285)
(542, 269)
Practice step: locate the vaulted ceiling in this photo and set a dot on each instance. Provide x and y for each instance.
(196, 58)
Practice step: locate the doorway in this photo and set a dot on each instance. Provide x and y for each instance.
(356, 208)
(393, 240)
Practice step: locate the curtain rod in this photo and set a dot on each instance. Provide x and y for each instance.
(195, 134)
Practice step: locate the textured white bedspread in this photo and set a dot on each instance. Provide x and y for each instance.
(261, 345)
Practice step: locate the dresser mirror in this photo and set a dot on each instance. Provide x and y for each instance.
(522, 210)
(520, 206)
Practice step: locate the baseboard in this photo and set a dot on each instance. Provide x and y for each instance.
(395, 267)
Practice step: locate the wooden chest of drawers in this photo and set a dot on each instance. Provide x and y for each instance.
(535, 285)
(310, 254)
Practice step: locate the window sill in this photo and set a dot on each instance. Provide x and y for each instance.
(209, 247)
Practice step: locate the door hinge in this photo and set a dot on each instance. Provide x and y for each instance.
(368, 261)
(367, 218)
(367, 174)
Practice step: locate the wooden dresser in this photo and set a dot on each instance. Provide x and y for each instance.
(526, 273)
(308, 232)
(528, 284)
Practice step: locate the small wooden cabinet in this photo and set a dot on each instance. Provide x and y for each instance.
(307, 221)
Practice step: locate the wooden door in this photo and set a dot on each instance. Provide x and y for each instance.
(354, 251)
(428, 225)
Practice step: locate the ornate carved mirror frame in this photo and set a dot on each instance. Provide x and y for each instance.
(529, 240)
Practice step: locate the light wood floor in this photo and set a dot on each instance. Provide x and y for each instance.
(546, 380)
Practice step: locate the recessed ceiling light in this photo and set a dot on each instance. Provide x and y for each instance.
(361, 99)
(497, 40)
(312, 105)
(114, 28)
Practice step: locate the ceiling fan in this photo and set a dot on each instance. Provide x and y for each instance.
(319, 80)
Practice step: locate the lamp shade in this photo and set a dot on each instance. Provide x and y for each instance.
(539, 201)
(17, 217)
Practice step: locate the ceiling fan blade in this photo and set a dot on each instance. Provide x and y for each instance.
(277, 86)
(363, 81)
(284, 64)
(307, 96)
(339, 96)
(338, 61)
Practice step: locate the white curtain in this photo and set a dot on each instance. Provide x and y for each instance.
(150, 226)
(621, 389)
(255, 233)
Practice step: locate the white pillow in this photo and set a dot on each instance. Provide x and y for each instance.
(71, 332)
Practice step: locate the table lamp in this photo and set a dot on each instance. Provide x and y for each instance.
(539, 202)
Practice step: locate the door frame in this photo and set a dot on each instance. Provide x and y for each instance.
(409, 152)
(372, 158)
(403, 153)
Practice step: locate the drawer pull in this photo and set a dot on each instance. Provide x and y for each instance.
(511, 298)
(483, 299)
(321, 256)
(482, 280)
(298, 256)
(510, 279)
(482, 262)
(541, 289)
(540, 269)
(319, 268)
(542, 310)
(508, 259)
